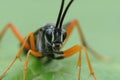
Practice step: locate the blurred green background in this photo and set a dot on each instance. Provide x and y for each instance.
(100, 21)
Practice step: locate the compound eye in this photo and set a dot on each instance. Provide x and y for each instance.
(49, 34)
(64, 35)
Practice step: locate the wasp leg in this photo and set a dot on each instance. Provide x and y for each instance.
(74, 50)
(79, 64)
(15, 32)
(32, 42)
(37, 54)
(31, 51)
(70, 26)
(32, 45)
(17, 56)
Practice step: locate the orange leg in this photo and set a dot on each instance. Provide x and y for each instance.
(76, 24)
(38, 54)
(32, 42)
(18, 55)
(15, 31)
(31, 51)
(74, 50)
(79, 64)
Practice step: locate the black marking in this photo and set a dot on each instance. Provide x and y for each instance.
(60, 13)
(63, 16)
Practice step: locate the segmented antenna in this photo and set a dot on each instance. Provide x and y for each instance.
(60, 13)
(63, 16)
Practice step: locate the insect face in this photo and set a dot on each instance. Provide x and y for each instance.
(55, 38)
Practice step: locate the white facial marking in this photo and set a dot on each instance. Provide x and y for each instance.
(61, 37)
(47, 40)
(53, 37)
(53, 45)
(51, 26)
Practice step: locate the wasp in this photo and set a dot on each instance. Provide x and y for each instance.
(48, 40)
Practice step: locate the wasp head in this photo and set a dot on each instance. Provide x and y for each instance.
(55, 38)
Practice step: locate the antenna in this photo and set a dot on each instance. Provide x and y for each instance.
(63, 16)
(60, 13)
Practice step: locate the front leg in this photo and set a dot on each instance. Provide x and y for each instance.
(75, 24)
(37, 54)
(15, 31)
(16, 57)
(74, 50)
